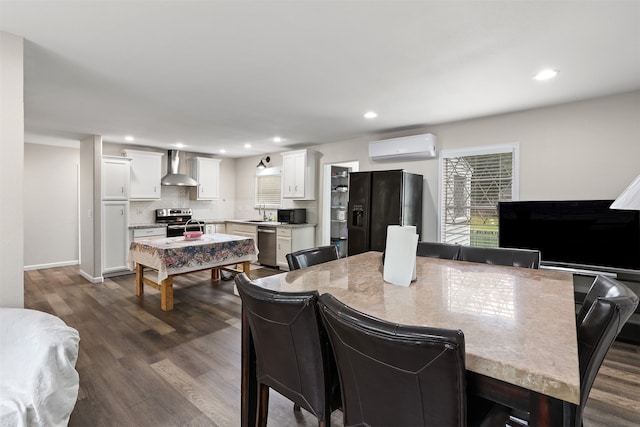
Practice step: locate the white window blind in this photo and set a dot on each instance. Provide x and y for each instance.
(473, 182)
(268, 190)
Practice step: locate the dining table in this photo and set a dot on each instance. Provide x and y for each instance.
(519, 324)
(173, 256)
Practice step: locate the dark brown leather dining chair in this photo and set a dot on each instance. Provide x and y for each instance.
(606, 308)
(527, 258)
(398, 375)
(308, 257)
(438, 250)
(293, 354)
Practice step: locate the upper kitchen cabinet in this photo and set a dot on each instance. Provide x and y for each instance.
(299, 175)
(206, 171)
(115, 178)
(146, 172)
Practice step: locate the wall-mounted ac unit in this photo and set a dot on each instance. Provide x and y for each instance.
(415, 147)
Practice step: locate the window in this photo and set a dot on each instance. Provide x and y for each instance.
(268, 187)
(472, 184)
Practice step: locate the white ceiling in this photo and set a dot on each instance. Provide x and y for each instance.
(219, 74)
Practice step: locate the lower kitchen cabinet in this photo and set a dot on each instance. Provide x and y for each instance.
(148, 233)
(215, 228)
(291, 240)
(115, 236)
(243, 230)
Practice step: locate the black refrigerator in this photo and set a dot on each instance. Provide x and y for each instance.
(378, 199)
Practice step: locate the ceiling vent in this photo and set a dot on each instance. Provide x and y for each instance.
(415, 147)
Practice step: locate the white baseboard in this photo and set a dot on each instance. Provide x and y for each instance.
(91, 279)
(50, 265)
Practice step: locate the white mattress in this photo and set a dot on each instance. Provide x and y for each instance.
(38, 380)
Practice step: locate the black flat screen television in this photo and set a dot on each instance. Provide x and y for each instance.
(583, 234)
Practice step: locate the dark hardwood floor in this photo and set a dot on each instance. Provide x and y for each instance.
(140, 366)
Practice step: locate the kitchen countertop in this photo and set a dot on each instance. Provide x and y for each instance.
(223, 221)
(140, 226)
(272, 223)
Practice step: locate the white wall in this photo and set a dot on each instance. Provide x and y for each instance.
(245, 181)
(90, 239)
(581, 150)
(50, 205)
(11, 170)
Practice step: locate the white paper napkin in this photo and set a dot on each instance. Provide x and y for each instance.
(400, 255)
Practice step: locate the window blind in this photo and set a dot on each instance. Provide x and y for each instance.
(472, 185)
(268, 190)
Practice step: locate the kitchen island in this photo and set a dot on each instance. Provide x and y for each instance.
(174, 256)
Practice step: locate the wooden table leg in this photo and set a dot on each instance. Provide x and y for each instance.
(248, 382)
(139, 275)
(166, 294)
(545, 411)
(246, 268)
(215, 273)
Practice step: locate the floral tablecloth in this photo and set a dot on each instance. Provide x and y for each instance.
(175, 255)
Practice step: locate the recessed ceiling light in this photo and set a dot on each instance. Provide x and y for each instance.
(545, 75)
(370, 115)
(222, 150)
(179, 144)
(247, 145)
(128, 138)
(277, 139)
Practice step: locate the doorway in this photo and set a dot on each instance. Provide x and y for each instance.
(335, 196)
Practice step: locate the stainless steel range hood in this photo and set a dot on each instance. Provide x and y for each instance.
(173, 177)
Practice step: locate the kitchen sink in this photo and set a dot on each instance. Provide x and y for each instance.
(259, 221)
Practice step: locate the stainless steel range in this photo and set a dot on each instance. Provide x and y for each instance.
(176, 220)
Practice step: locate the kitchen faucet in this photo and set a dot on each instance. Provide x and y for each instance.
(264, 212)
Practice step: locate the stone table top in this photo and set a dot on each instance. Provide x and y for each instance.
(519, 324)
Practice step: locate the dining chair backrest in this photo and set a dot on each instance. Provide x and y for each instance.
(308, 257)
(438, 250)
(395, 374)
(606, 308)
(527, 258)
(293, 354)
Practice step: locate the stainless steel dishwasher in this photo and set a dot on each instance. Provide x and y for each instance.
(267, 245)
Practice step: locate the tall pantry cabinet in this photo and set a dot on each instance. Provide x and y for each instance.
(115, 213)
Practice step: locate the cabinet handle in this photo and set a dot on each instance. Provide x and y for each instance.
(296, 188)
(121, 190)
(121, 211)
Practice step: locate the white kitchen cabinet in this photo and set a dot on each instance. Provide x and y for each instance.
(115, 236)
(299, 175)
(215, 228)
(115, 178)
(291, 240)
(207, 172)
(146, 173)
(243, 230)
(148, 233)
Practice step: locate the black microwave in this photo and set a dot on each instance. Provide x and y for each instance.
(292, 216)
